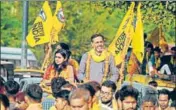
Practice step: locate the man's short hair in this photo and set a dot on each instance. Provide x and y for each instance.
(95, 85)
(149, 98)
(64, 94)
(4, 100)
(157, 49)
(128, 90)
(56, 84)
(150, 45)
(35, 92)
(164, 92)
(12, 87)
(89, 88)
(79, 93)
(153, 83)
(110, 84)
(97, 35)
(173, 48)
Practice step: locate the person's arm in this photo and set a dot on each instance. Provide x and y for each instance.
(82, 67)
(71, 74)
(113, 69)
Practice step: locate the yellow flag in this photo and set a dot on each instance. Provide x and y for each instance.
(138, 39)
(157, 37)
(154, 37)
(40, 32)
(117, 45)
(58, 23)
(162, 39)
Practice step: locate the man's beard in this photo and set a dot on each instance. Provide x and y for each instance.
(106, 102)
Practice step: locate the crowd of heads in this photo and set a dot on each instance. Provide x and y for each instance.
(90, 95)
(86, 96)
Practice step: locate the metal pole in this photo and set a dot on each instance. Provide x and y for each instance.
(24, 30)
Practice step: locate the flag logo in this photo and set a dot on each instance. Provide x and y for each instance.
(42, 15)
(60, 15)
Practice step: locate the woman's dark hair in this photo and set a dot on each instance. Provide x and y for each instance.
(64, 46)
(64, 64)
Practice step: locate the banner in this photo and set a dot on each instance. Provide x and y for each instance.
(58, 23)
(117, 45)
(41, 29)
(162, 39)
(138, 39)
(154, 37)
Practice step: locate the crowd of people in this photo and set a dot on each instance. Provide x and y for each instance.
(159, 61)
(96, 88)
(86, 96)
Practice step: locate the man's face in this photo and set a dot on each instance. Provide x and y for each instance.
(148, 50)
(79, 104)
(148, 106)
(60, 103)
(106, 94)
(98, 44)
(156, 54)
(163, 101)
(129, 103)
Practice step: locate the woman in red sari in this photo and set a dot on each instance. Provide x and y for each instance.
(59, 68)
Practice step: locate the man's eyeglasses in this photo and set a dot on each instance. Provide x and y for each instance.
(105, 93)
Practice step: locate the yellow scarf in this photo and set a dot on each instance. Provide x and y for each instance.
(100, 58)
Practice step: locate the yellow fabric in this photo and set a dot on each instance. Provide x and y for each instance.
(114, 104)
(58, 23)
(50, 96)
(103, 57)
(162, 39)
(41, 27)
(100, 58)
(154, 37)
(138, 39)
(74, 63)
(157, 37)
(53, 108)
(117, 44)
(66, 73)
(158, 62)
(96, 106)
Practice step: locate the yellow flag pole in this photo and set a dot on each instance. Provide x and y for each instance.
(128, 33)
(127, 41)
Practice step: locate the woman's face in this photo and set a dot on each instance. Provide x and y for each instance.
(59, 58)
